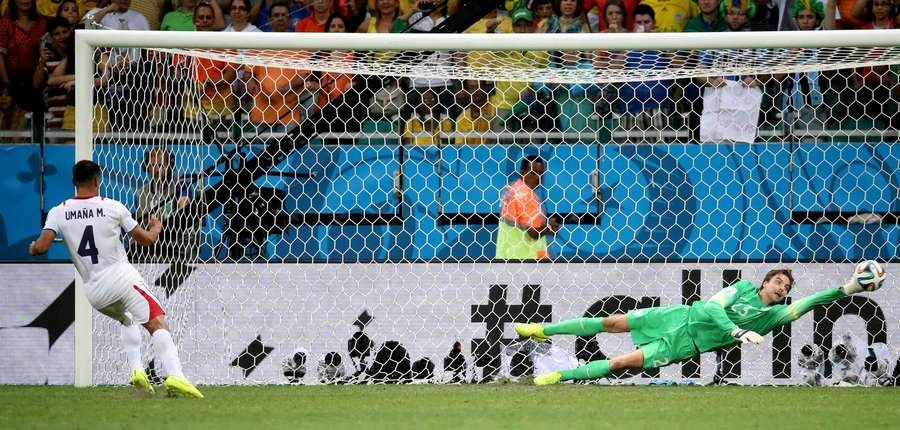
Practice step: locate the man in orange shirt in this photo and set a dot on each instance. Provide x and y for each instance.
(315, 22)
(524, 226)
(276, 96)
(213, 77)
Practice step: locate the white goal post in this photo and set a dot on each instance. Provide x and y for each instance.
(793, 52)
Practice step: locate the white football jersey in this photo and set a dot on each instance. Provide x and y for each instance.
(91, 228)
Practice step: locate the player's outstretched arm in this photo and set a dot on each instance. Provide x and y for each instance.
(149, 236)
(853, 286)
(42, 244)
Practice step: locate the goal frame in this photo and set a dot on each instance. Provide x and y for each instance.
(87, 40)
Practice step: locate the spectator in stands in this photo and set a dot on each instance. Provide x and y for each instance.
(279, 22)
(425, 127)
(738, 14)
(877, 14)
(874, 91)
(182, 19)
(567, 18)
(709, 19)
(477, 112)
(52, 51)
(672, 15)
(213, 78)
(276, 91)
(354, 12)
(384, 108)
(68, 9)
(239, 12)
(330, 97)
(614, 17)
(524, 226)
(802, 98)
(168, 198)
(647, 104)
(573, 102)
(315, 22)
(12, 117)
(45, 8)
(152, 10)
(493, 22)
(260, 13)
(63, 77)
(767, 16)
(607, 94)
(627, 13)
(424, 16)
(118, 16)
(384, 18)
(541, 10)
(21, 30)
(732, 103)
(122, 87)
(404, 6)
(512, 99)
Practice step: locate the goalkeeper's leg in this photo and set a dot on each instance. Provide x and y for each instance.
(595, 369)
(576, 327)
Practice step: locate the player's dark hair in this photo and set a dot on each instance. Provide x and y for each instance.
(644, 9)
(786, 272)
(529, 161)
(84, 172)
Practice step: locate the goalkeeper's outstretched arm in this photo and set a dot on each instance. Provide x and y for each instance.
(853, 285)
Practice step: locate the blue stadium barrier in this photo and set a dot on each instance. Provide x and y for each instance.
(730, 202)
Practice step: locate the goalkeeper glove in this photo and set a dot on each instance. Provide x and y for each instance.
(746, 336)
(868, 276)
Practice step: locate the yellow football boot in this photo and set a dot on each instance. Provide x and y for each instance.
(548, 378)
(183, 386)
(140, 381)
(534, 331)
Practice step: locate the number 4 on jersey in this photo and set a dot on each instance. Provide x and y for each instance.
(87, 247)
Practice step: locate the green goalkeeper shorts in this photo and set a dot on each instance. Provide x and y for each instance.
(662, 335)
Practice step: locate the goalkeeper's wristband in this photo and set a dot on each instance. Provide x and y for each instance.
(746, 336)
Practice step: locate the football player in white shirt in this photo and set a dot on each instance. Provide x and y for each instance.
(90, 226)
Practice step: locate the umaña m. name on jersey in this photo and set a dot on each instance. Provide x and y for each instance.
(91, 228)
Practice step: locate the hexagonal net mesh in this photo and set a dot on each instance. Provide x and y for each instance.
(359, 216)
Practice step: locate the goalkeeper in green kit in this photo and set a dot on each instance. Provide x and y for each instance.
(741, 313)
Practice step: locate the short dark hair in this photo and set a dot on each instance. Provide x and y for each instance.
(280, 3)
(786, 272)
(529, 161)
(55, 22)
(644, 9)
(331, 19)
(206, 5)
(85, 171)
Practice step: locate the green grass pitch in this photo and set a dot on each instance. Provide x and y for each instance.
(453, 407)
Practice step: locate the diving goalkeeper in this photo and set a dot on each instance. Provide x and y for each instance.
(741, 313)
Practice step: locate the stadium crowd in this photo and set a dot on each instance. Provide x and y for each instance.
(37, 71)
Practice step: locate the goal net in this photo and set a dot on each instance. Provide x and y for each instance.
(341, 209)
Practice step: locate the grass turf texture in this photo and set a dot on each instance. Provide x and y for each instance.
(454, 406)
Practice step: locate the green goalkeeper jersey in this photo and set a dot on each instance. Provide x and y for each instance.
(711, 322)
